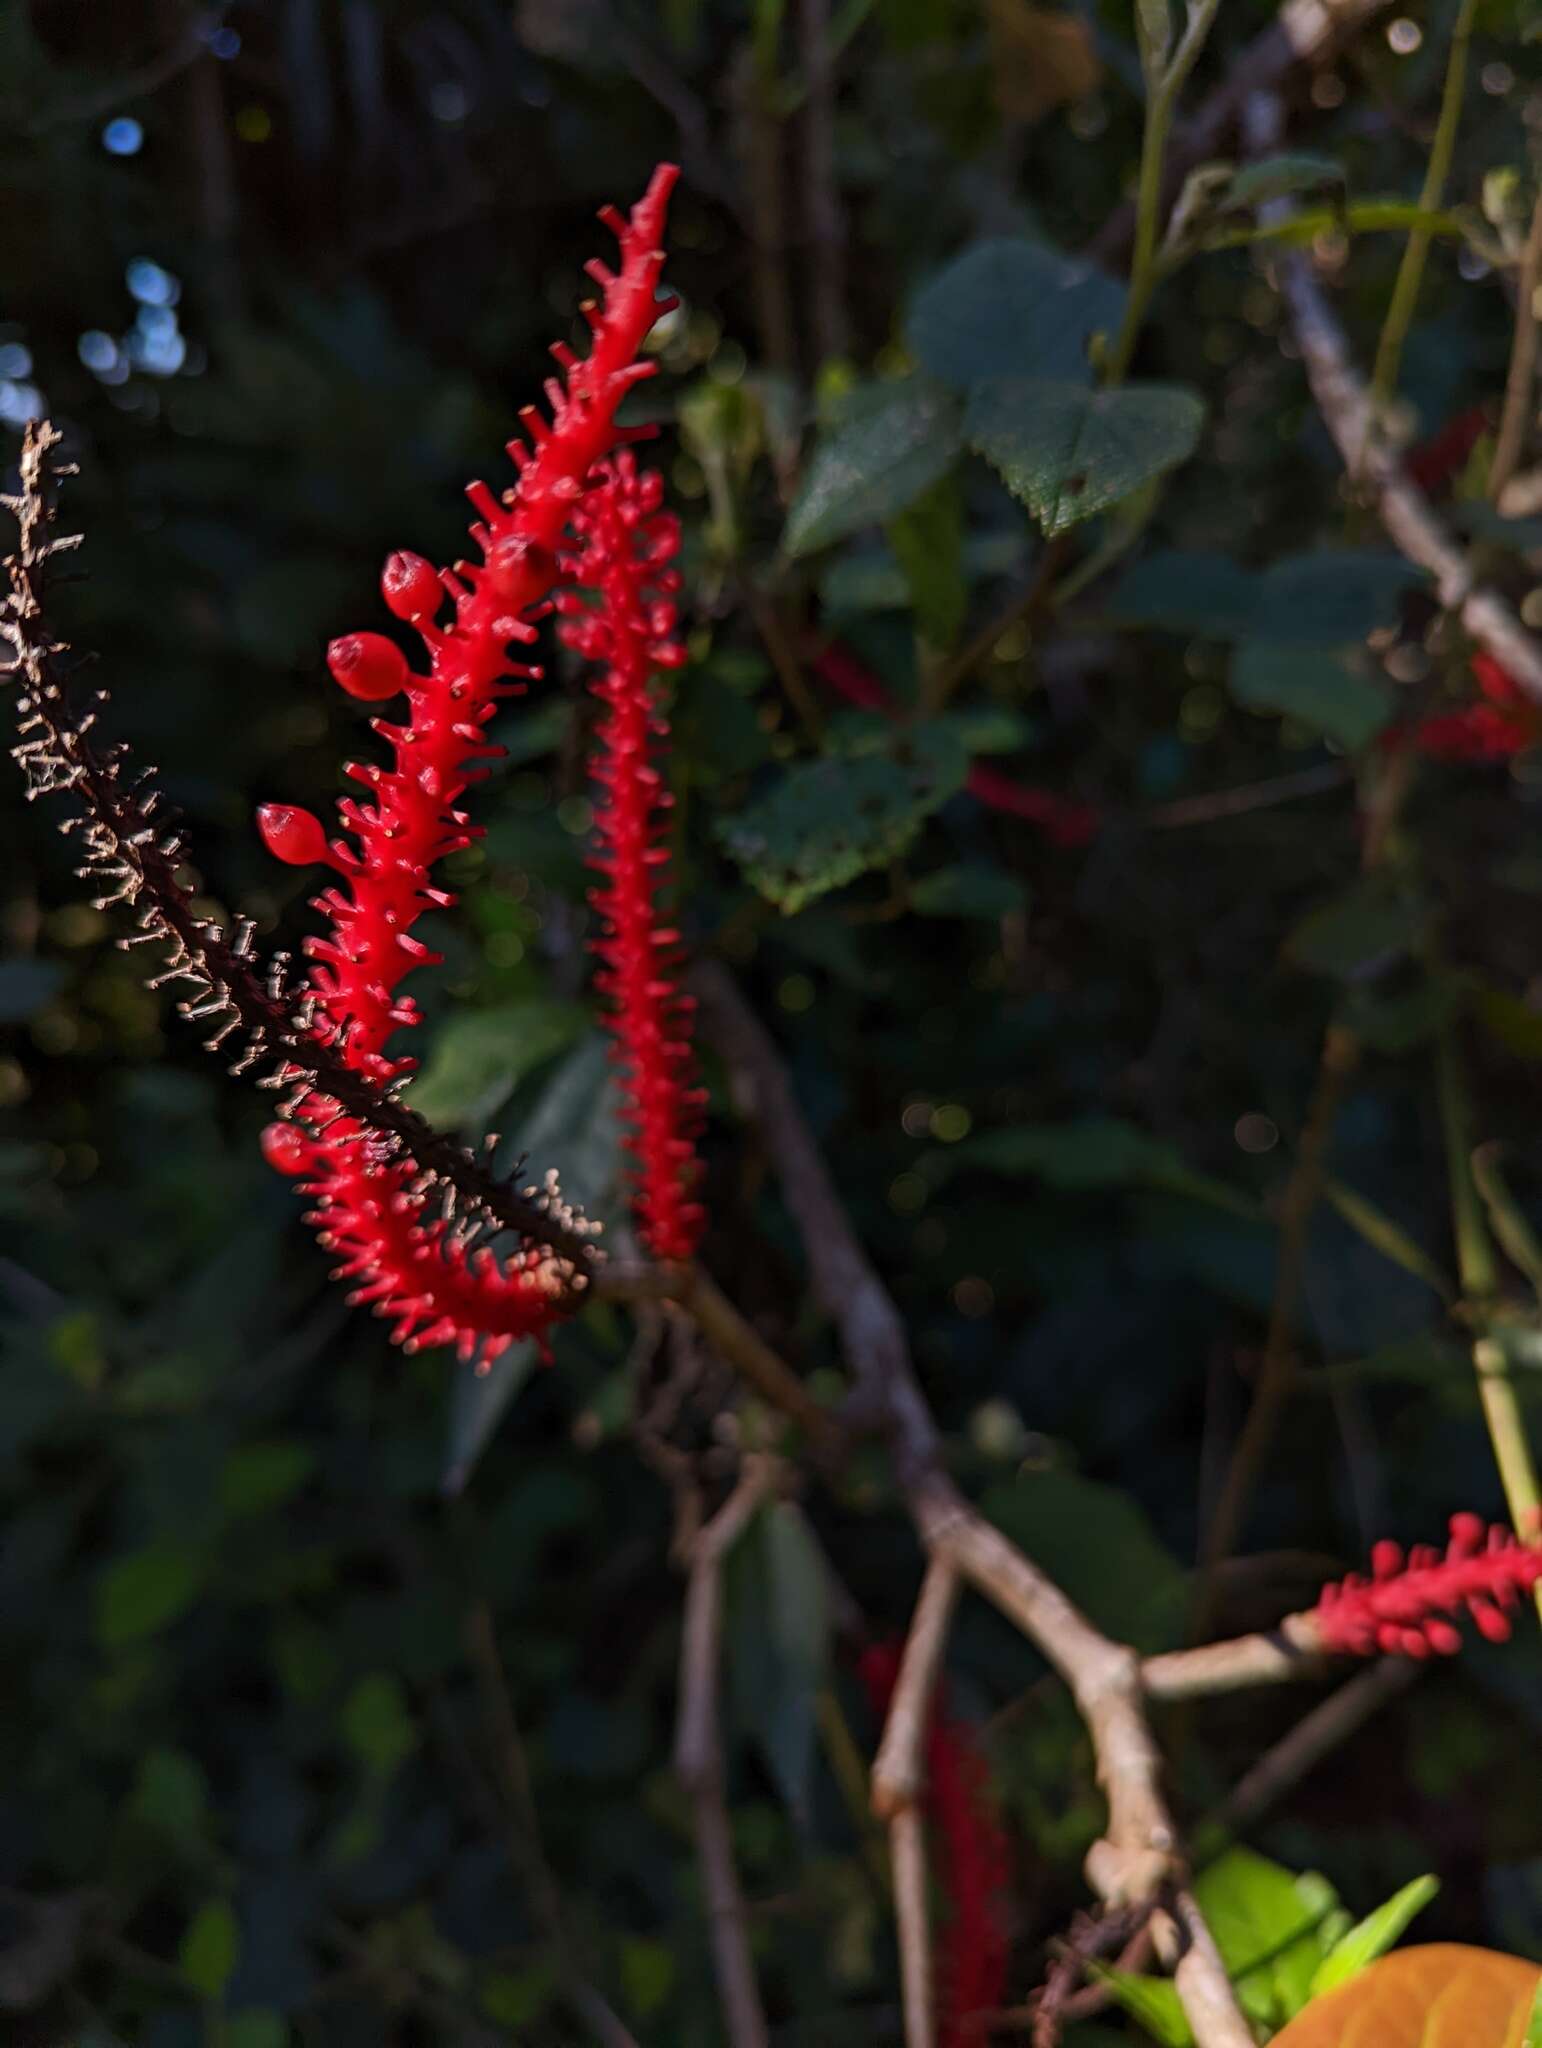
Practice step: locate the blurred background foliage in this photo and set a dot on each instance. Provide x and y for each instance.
(274, 1596)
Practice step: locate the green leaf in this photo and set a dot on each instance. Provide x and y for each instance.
(1533, 2035)
(1373, 1935)
(481, 1056)
(1279, 177)
(648, 1971)
(1265, 1920)
(1330, 597)
(171, 1795)
(1096, 1542)
(146, 1591)
(478, 1401)
(1387, 1237)
(779, 1607)
(262, 1476)
(377, 1724)
(1185, 593)
(826, 822)
(1314, 685)
(1012, 309)
(1355, 935)
(927, 538)
(1092, 1154)
(1152, 2001)
(890, 443)
(208, 1950)
(1069, 453)
(968, 891)
(256, 2027)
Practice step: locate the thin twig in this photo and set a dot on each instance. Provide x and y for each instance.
(1250, 796)
(1291, 1651)
(907, 1853)
(897, 1768)
(699, 1755)
(1316, 1735)
(1520, 382)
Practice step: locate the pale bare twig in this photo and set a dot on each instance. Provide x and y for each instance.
(1249, 796)
(897, 1768)
(897, 1784)
(1344, 401)
(907, 1854)
(1291, 1651)
(699, 1754)
(1139, 1854)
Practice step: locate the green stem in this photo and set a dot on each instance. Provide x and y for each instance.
(1479, 1271)
(1165, 78)
(1405, 293)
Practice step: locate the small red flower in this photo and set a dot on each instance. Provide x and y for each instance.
(1401, 1607)
(1435, 462)
(1505, 724)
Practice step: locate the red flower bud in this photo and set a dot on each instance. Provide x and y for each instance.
(286, 1149)
(520, 571)
(410, 585)
(292, 835)
(367, 665)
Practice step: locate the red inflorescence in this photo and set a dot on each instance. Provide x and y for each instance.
(973, 1860)
(627, 547)
(1401, 1607)
(408, 1264)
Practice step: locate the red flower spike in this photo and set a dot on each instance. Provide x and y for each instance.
(408, 1263)
(1400, 1608)
(973, 1860)
(368, 665)
(626, 547)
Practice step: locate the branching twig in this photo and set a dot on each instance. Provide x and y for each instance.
(699, 1757)
(1347, 411)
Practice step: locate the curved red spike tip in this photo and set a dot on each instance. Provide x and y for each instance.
(288, 1150)
(972, 1854)
(407, 1266)
(1401, 1608)
(292, 835)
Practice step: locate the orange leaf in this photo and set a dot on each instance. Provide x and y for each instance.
(1441, 1996)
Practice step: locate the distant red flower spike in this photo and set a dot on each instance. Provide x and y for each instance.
(1400, 1608)
(973, 1859)
(1480, 732)
(627, 546)
(411, 1264)
(1495, 680)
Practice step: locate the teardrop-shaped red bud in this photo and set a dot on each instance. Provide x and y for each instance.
(367, 665)
(286, 1149)
(520, 570)
(410, 585)
(292, 835)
